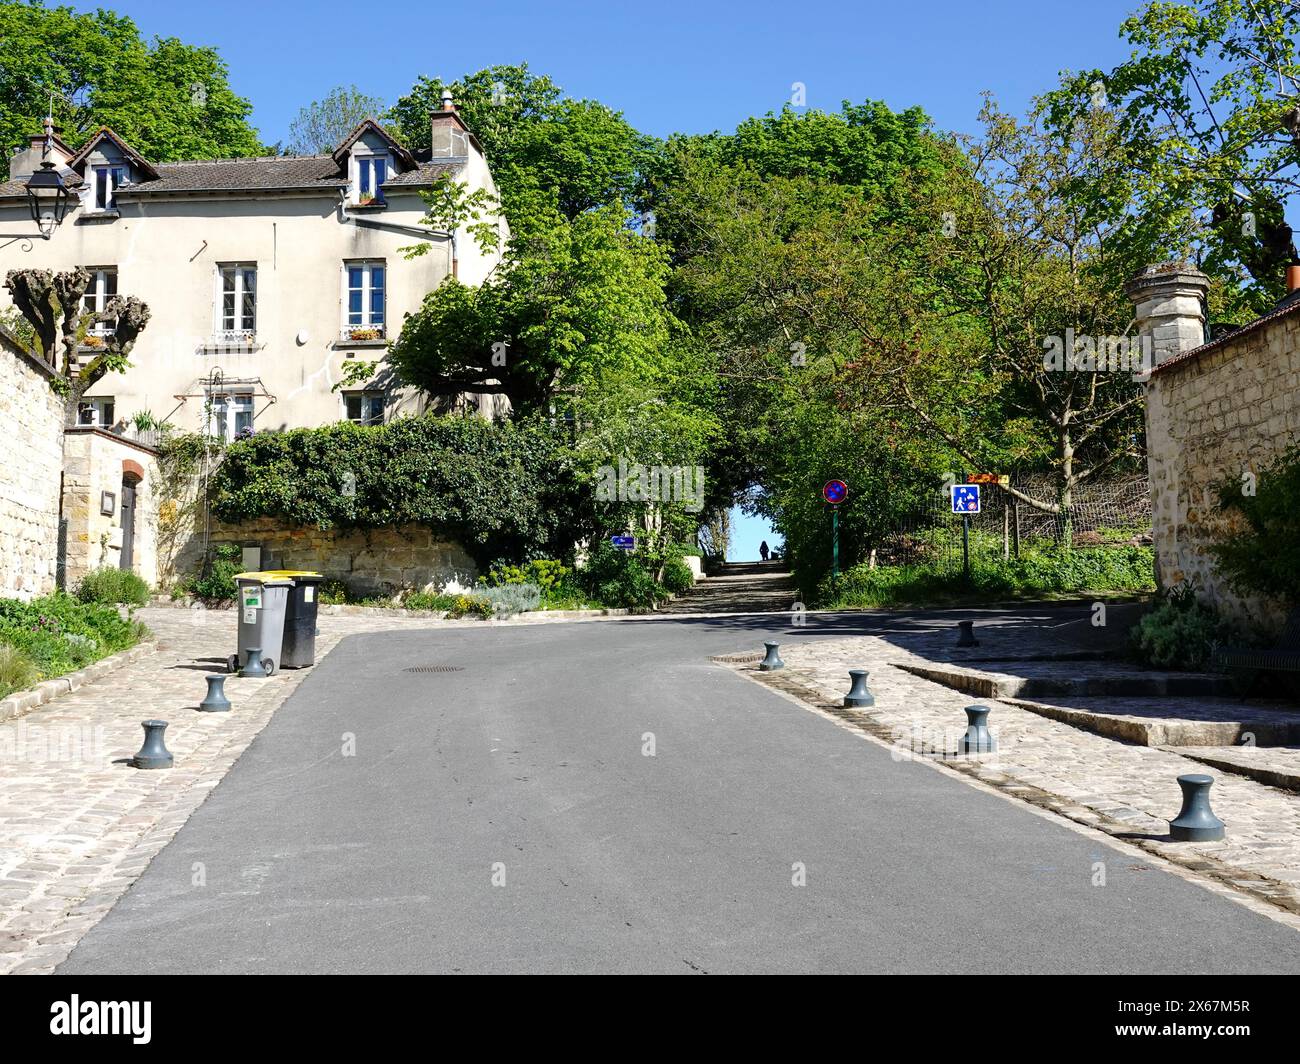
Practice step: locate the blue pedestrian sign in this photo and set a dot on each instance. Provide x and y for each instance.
(965, 498)
(624, 542)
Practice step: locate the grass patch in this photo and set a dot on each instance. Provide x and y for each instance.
(17, 671)
(60, 634)
(1038, 573)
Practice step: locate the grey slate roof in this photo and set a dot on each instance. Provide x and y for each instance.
(264, 174)
(269, 174)
(18, 189)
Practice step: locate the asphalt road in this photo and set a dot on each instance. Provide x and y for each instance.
(530, 762)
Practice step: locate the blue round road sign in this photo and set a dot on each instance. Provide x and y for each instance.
(836, 491)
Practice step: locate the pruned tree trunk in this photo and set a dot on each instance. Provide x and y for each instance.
(53, 304)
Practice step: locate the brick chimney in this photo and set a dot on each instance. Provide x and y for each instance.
(1170, 307)
(27, 158)
(450, 139)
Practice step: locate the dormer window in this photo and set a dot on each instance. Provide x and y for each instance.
(108, 179)
(372, 172)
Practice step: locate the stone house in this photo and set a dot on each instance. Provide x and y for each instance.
(1217, 411)
(265, 277)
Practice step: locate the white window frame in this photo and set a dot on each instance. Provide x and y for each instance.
(367, 267)
(116, 175)
(375, 186)
(97, 295)
(230, 404)
(368, 397)
(100, 406)
(219, 329)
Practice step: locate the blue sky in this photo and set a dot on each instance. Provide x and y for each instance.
(668, 66)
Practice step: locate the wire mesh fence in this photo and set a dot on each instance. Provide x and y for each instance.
(1114, 512)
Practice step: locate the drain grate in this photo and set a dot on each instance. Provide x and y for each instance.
(736, 658)
(435, 668)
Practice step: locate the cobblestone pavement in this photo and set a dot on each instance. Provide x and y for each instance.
(77, 826)
(1127, 790)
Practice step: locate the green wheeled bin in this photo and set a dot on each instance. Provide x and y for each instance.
(263, 598)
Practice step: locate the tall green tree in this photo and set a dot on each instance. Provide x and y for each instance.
(168, 99)
(759, 223)
(320, 126)
(574, 302)
(1209, 114)
(544, 148)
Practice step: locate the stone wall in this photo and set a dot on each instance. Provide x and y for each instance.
(96, 462)
(374, 562)
(31, 453)
(1212, 415)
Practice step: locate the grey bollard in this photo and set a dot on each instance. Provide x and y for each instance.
(966, 634)
(153, 754)
(253, 666)
(859, 694)
(1196, 822)
(215, 701)
(773, 660)
(978, 739)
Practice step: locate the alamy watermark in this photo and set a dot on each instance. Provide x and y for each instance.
(651, 483)
(1081, 353)
(40, 744)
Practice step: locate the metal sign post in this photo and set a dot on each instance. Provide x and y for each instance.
(965, 501)
(835, 492)
(835, 546)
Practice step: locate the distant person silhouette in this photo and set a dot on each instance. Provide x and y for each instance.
(763, 550)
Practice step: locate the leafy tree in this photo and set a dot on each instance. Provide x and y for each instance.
(576, 302)
(168, 99)
(52, 304)
(321, 126)
(1041, 241)
(1209, 114)
(545, 150)
(749, 217)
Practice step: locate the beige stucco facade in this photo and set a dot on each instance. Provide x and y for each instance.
(169, 249)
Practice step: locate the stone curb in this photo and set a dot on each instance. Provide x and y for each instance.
(1005, 684)
(1166, 732)
(1284, 781)
(1258, 887)
(351, 610)
(23, 702)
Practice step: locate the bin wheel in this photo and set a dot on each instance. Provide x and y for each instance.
(232, 663)
(269, 666)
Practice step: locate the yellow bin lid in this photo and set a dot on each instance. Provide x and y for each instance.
(270, 577)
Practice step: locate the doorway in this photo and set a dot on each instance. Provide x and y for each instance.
(127, 559)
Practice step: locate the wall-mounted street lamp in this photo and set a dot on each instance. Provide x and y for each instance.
(48, 198)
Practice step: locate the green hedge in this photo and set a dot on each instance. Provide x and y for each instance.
(502, 490)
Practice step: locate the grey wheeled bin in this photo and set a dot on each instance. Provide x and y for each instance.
(261, 604)
(300, 619)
